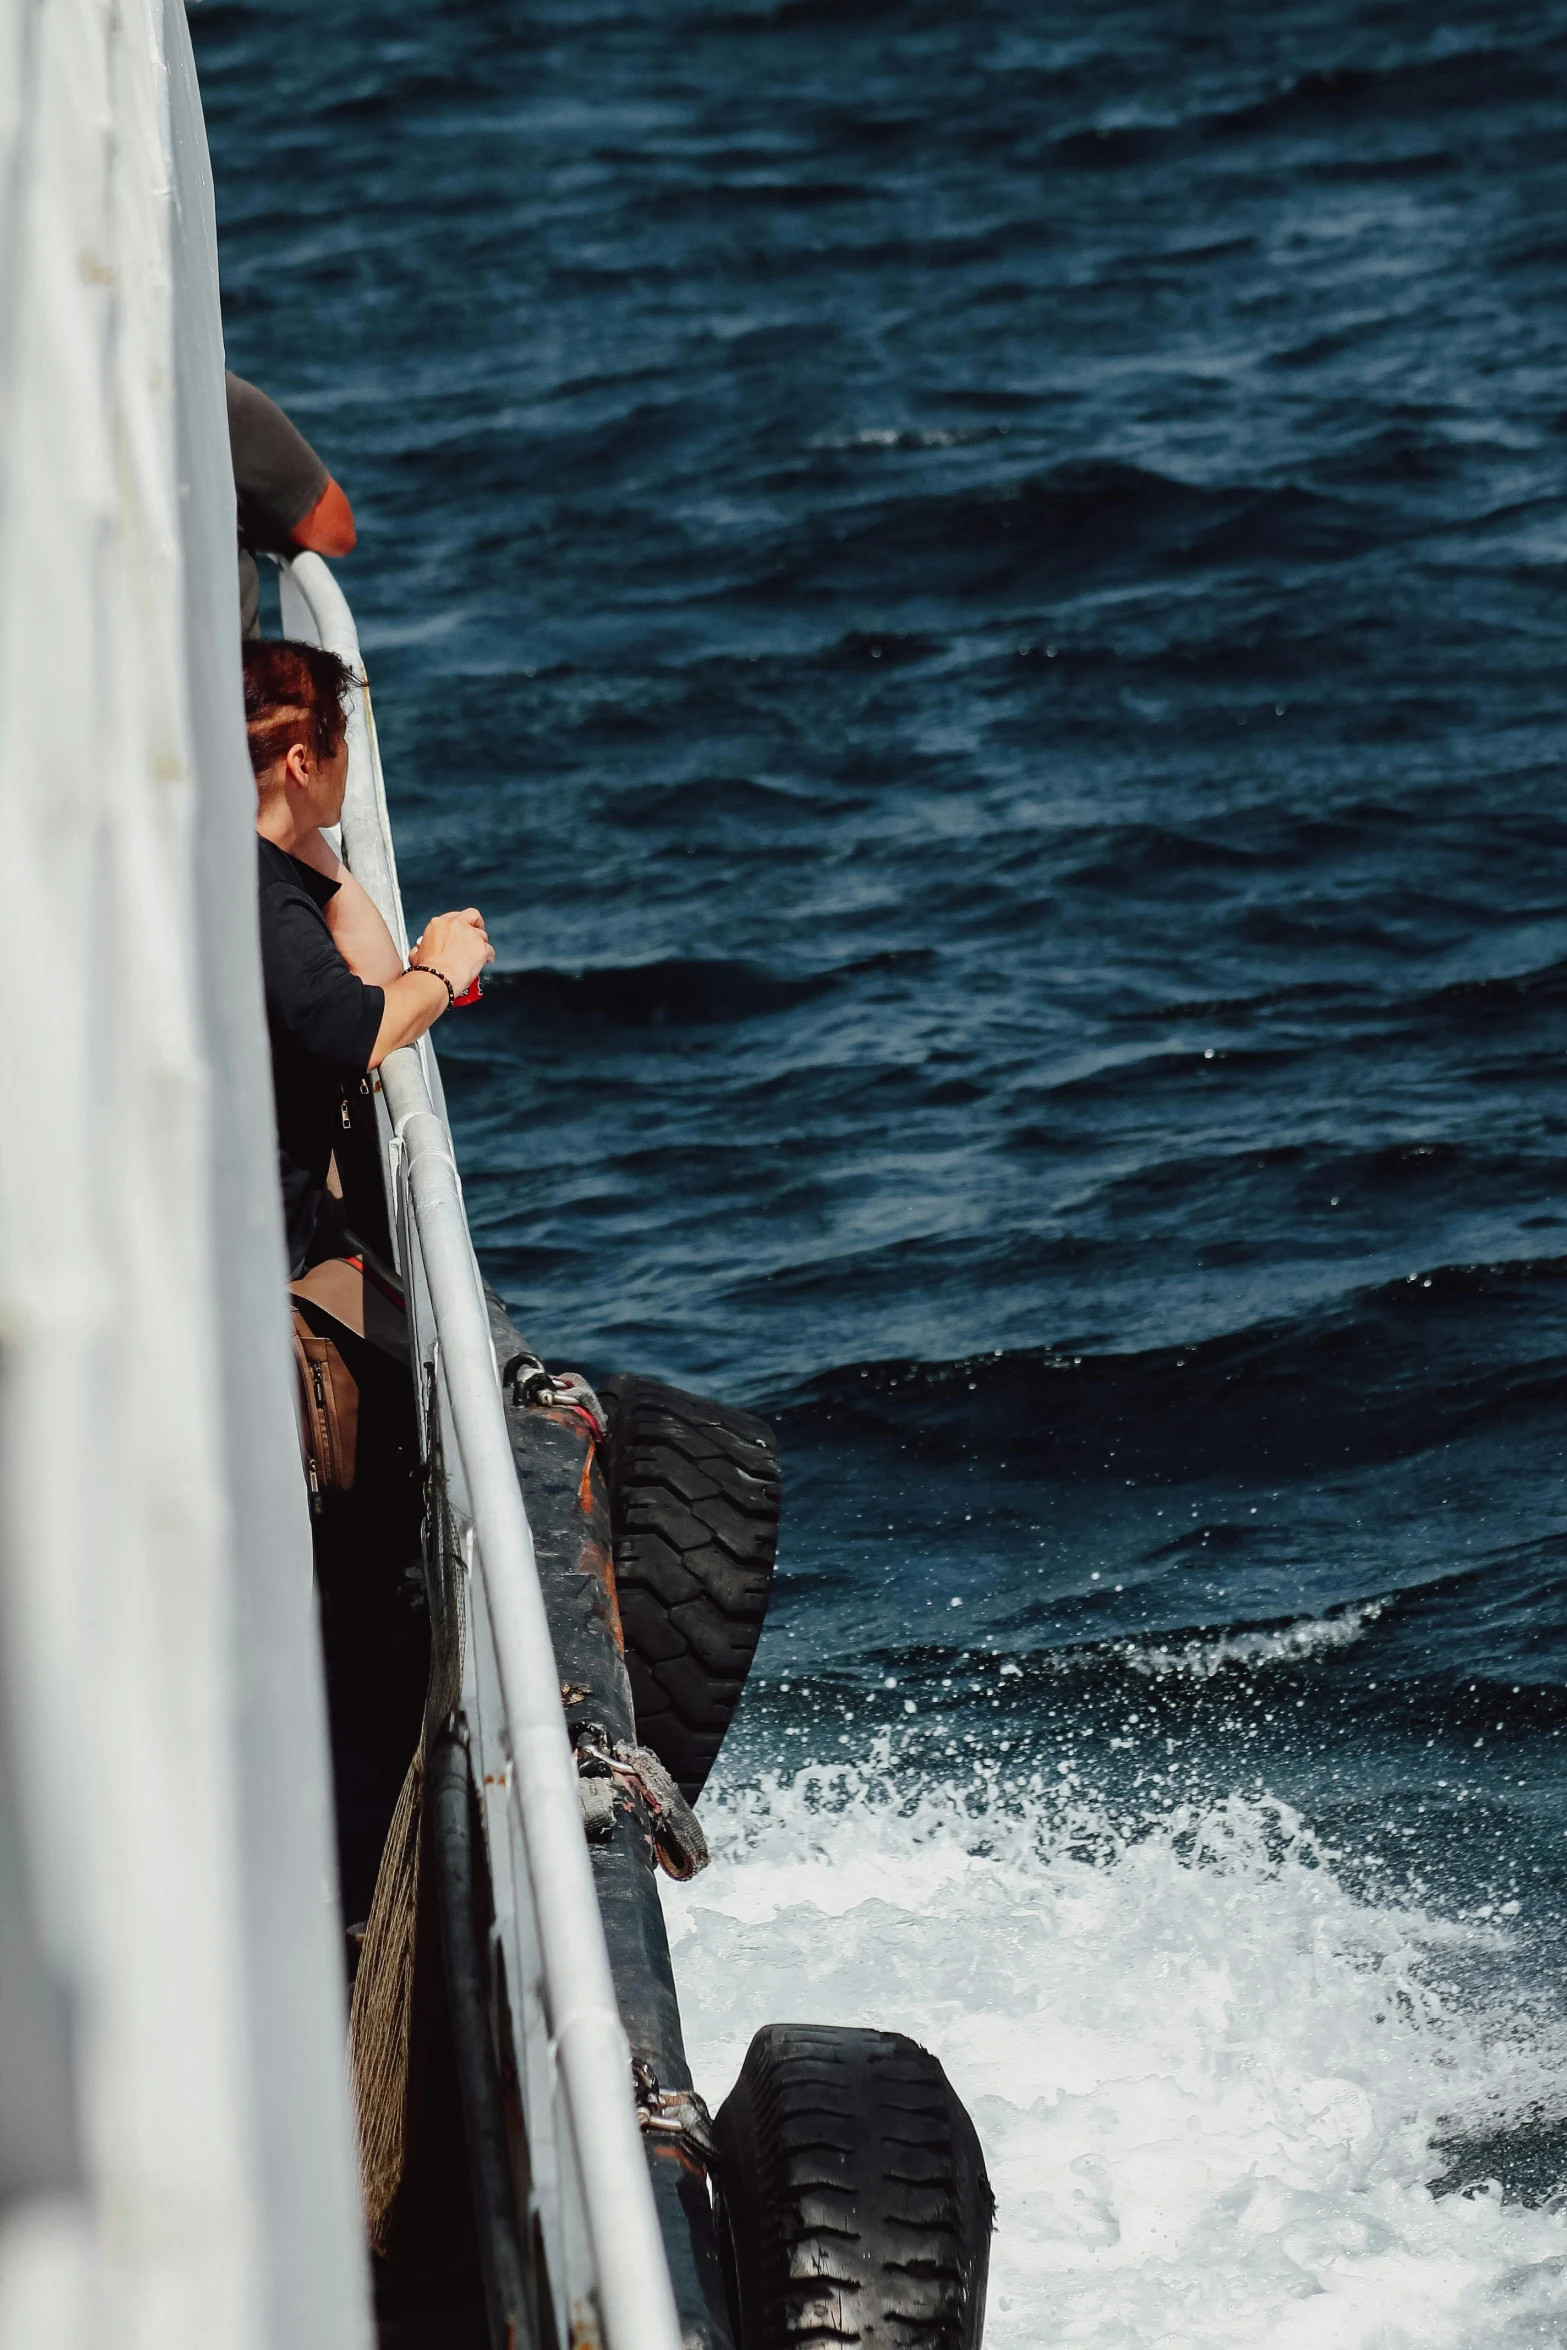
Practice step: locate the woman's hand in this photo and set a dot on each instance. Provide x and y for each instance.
(457, 946)
(454, 945)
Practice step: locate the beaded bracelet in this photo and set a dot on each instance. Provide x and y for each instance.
(431, 971)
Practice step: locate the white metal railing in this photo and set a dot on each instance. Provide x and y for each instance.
(601, 2234)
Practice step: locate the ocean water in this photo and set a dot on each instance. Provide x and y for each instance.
(979, 597)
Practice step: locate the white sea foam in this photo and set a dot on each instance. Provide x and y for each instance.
(1200, 1660)
(894, 436)
(1208, 2078)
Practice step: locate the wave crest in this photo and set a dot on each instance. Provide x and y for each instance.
(1290, 1644)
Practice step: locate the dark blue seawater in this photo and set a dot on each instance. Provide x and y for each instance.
(979, 597)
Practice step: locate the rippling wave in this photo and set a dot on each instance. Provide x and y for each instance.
(977, 595)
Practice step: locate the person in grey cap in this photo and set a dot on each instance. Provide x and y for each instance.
(284, 496)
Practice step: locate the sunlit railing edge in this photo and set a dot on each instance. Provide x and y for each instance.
(636, 2300)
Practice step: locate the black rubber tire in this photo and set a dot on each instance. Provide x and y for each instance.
(694, 1494)
(853, 2204)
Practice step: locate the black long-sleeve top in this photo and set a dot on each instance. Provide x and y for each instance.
(323, 1024)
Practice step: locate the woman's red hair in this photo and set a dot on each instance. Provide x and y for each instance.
(294, 693)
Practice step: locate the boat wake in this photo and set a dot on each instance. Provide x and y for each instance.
(1219, 2092)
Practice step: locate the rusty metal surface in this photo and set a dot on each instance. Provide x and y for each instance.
(557, 1453)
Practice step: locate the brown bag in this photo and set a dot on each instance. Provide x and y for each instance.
(328, 1413)
(364, 1300)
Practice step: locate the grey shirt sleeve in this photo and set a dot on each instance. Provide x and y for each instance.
(277, 475)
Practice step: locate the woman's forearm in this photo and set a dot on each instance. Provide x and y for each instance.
(414, 1002)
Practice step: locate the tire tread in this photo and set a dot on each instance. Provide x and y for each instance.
(694, 1492)
(853, 2196)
